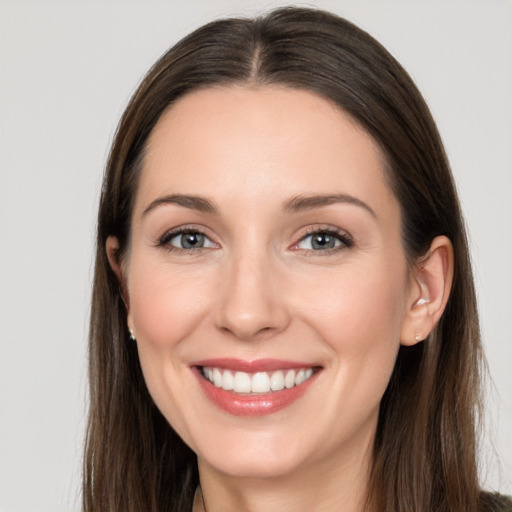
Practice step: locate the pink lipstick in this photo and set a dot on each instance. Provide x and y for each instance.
(254, 388)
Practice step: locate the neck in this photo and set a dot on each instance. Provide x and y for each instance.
(314, 487)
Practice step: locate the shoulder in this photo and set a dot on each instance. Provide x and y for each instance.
(494, 502)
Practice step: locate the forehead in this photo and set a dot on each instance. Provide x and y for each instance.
(250, 143)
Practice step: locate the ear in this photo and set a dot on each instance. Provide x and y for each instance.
(112, 250)
(429, 291)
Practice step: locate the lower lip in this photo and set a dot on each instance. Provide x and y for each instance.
(252, 405)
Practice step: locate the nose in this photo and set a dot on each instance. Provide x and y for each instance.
(253, 300)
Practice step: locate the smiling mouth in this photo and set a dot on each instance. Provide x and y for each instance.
(254, 388)
(256, 383)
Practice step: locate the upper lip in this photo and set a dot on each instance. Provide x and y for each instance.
(256, 365)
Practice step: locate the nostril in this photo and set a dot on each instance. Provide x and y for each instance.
(248, 333)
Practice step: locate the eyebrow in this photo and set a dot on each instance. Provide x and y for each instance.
(295, 204)
(192, 202)
(301, 203)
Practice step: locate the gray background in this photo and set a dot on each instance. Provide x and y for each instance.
(67, 70)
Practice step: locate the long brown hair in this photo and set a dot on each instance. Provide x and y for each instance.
(424, 457)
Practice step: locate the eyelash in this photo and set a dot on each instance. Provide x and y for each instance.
(346, 241)
(342, 236)
(164, 241)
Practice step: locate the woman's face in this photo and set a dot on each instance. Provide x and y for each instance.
(266, 256)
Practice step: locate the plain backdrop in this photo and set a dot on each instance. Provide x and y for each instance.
(67, 69)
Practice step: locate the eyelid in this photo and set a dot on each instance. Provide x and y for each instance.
(163, 241)
(343, 236)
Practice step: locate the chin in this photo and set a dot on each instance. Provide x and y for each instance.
(255, 466)
(266, 455)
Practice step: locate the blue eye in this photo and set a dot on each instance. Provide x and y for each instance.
(324, 241)
(187, 240)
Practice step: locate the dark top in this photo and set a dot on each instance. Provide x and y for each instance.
(494, 502)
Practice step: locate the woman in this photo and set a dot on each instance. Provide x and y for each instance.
(283, 310)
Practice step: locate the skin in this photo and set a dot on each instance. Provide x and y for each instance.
(259, 290)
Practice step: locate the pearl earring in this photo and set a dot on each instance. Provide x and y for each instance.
(132, 337)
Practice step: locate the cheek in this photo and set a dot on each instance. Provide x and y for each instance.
(358, 314)
(360, 301)
(166, 304)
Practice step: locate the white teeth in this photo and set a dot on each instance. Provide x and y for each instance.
(259, 382)
(299, 378)
(228, 381)
(242, 382)
(277, 381)
(289, 380)
(217, 378)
